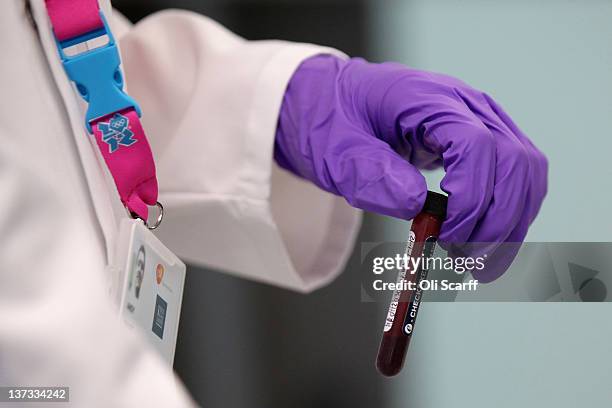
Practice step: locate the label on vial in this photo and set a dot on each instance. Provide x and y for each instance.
(397, 293)
(417, 295)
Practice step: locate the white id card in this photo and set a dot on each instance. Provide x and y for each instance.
(151, 286)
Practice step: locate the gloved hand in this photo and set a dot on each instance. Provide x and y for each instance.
(363, 130)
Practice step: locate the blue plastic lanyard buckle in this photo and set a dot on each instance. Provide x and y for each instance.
(97, 76)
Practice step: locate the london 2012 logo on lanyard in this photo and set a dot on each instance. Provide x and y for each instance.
(116, 132)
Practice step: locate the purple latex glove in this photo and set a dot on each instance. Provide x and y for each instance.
(363, 130)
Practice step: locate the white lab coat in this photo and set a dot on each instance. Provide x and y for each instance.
(210, 104)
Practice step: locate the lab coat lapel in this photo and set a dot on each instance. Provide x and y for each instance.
(106, 202)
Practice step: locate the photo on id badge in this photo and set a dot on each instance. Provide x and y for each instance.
(153, 291)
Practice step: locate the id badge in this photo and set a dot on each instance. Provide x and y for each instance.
(151, 286)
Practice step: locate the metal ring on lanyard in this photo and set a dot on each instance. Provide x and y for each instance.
(158, 221)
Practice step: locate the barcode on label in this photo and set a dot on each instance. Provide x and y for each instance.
(397, 293)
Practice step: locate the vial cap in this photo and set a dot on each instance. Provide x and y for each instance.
(435, 204)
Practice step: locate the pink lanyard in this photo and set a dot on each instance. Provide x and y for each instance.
(112, 116)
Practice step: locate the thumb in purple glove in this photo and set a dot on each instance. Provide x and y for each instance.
(363, 130)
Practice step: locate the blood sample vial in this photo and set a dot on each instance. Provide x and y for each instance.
(405, 303)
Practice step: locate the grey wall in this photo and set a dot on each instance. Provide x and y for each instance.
(549, 63)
